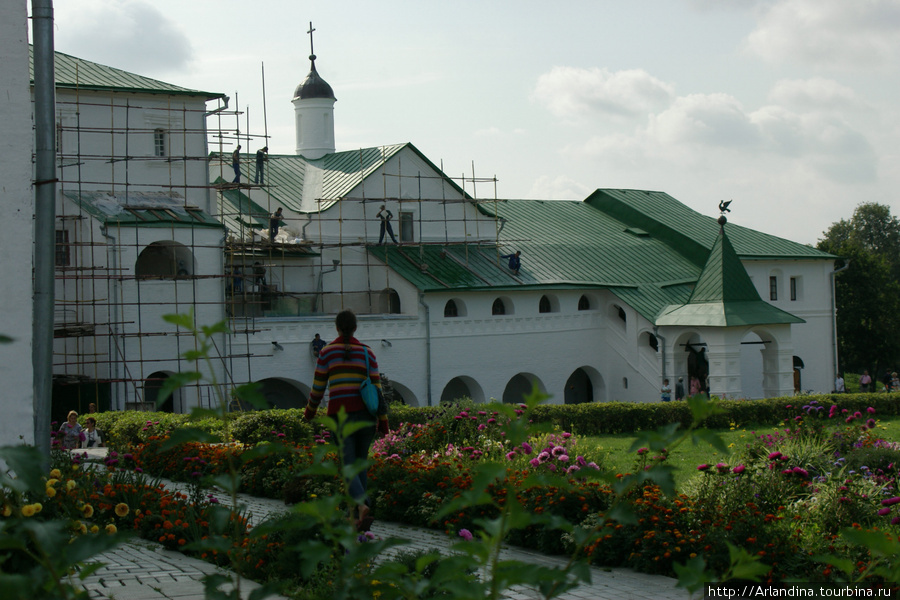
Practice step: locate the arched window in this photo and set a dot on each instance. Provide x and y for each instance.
(498, 308)
(584, 303)
(653, 342)
(164, 260)
(450, 309)
(621, 312)
(389, 301)
(544, 305)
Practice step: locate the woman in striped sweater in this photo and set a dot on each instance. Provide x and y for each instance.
(340, 369)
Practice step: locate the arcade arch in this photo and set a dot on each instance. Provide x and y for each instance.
(462, 387)
(520, 386)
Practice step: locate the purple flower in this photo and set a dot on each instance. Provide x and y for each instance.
(702, 467)
(464, 414)
(465, 534)
(481, 427)
(738, 469)
(558, 451)
(642, 451)
(534, 462)
(895, 521)
(566, 435)
(721, 466)
(563, 458)
(543, 456)
(526, 447)
(775, 455)
(511, 455)
(870, 410)
(870, 423)
(891, 501)
(801, 472)
(551, 466)
(884, 511)
(492, 420)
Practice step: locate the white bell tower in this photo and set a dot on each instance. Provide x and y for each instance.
(314, 112)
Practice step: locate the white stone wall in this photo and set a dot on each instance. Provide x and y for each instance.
(813, 341)
(16, 243)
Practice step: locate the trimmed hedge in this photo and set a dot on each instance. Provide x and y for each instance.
(123, 429)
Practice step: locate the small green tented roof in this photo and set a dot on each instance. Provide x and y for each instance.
(724, 295)
(76, 73)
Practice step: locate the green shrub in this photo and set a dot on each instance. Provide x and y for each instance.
(252, 427)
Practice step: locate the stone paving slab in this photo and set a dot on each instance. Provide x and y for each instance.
(144, 570)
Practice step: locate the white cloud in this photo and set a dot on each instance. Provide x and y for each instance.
(559, 187)
(828, 33)
(576, 92)
(705, 119)
(129, 34)
(815, 94)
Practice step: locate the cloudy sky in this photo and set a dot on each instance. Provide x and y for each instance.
(788, 107)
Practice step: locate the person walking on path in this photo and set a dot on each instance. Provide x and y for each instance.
(515, 262)
(340, 369)
(666, 391)
(261, 157)
(679, 389)
(385, 215)
(865, 382)
(236, 164)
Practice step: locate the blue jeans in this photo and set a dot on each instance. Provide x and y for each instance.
(356, 447)
(237, 172)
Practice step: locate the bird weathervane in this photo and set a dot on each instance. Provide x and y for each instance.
(723, 206)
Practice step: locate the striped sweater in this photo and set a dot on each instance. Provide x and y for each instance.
(342, 376)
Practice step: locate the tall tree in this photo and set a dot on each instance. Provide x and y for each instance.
(868, 293)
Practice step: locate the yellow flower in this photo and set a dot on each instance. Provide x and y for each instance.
(82, 528)
(70, 485)
(55, 474)
(111, 529)
(52, 482)
(38, 507)
(88, 511)
(94, 529)
(122, 509)
(7, 510)
(51, 492)
(137, 512)
(28, 510)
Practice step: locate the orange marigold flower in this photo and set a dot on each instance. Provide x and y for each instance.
(122, 509)
(88, 511)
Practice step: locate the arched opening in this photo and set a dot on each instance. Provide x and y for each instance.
(617, 315)
(584, 303)
(283, 393)
(579, 388)
(450, 309)
(759, 364)
(404, 394)
(152, 387)
(498, 307)
(164, 260)
(691, 363)
(462, 387)
(651, 341)
(548, 304)
(389, 301)
(798, 370)
(520, 386)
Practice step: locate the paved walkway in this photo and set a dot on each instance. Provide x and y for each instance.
(144, 570)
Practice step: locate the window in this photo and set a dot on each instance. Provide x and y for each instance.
(63, 257)
(159, 142)
(584, 303)
(773, 288)
(406, 227)
(621, 312)
(653, 342)
(544, 305)
(498, 308)
(450, 309)
(793, 289)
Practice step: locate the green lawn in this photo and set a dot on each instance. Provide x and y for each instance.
(615, 455)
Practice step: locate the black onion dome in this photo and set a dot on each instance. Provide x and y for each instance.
(313, 86)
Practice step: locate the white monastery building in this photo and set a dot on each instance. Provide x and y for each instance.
(613, 294)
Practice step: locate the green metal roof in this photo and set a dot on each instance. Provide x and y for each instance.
(724, 295)
(693, 233)
(309, 186)
(142, 209)
(238, 211)
(77, 73)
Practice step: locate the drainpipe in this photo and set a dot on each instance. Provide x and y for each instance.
(319, 286)
(834, 345)
(662, 344)
(427, 346)
(44, 222)
(113, 351)
(305, 225)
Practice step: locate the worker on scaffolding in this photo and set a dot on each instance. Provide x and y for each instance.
(236, 164)
(385, 216)
(274, 224)
(261, 158)
(514, 261)
(259, 277)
